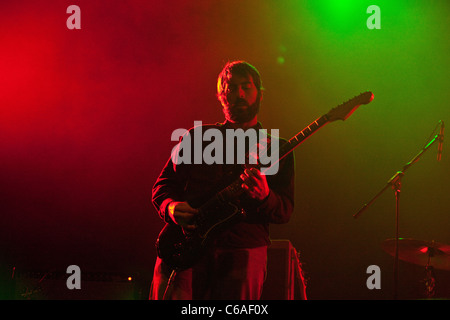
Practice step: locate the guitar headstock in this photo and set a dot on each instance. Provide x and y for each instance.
(344, 110)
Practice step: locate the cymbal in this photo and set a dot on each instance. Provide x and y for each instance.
(420, 252)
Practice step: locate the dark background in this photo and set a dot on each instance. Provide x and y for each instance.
(87, 115)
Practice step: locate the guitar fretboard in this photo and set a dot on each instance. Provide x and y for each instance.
(300, 137)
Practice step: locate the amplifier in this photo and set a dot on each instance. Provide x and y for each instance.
(285, 279)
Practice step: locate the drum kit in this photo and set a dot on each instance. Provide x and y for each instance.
(429, 254)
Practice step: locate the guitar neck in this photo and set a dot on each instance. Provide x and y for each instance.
(341, 112)
(300, 137)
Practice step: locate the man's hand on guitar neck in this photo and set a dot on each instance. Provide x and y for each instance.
(182, 213)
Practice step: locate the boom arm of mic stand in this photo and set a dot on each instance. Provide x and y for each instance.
(396, 177)
(391, 182)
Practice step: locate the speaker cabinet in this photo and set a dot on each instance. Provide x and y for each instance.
(285, 280)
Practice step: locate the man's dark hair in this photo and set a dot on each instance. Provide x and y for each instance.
(241, 68)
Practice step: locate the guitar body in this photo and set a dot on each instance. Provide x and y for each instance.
(180, 251)
(177, 250)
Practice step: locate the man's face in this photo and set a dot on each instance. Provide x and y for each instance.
(242, 99)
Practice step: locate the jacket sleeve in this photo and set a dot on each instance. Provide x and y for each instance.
(279, 204)
(168, 187)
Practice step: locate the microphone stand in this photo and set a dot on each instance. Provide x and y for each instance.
(395, 183)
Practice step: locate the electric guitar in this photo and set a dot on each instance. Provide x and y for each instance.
(180, 251)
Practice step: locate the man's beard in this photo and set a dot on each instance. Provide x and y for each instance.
(238, 113)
